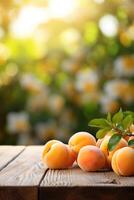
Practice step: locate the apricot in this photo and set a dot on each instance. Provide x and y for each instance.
(110, 133)
(109, 154)
(91, 158)
(81, 139)
(48, 145)
(57, 155)
(99, 141)
(123, 161)
(72, 156)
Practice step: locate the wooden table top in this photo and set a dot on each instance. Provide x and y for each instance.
(24, 177)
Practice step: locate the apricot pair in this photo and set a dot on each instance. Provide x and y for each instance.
(57, 155)
(81, 148)
(121, 159)
(81, 139)
(90, 157)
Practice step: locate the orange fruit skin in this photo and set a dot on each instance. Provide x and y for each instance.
(109, 154)
(123, 161)
(57, 155)
(91, 158)
(81, 139)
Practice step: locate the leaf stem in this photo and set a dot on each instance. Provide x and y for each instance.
(117, 130)
(130, 134)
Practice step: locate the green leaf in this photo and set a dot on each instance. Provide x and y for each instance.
(102, 132)
(128, 120)
(131, 143)
(120, 127)
(129, 113)
(114, 140)
(99, 123)
(109, 117)
(118, 117)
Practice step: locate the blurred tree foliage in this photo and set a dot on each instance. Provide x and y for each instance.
(61, 64)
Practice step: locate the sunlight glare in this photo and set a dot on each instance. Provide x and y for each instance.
(99, 1)
(61, 8)
(28, 20)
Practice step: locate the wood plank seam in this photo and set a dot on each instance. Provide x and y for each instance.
(43, 177)
(4, 166)
(39, 185)
(27, 169)
(22, 174)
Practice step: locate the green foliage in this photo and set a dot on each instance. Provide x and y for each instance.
(118, 117)
(119, 123)
(131, 143)
(99, 123)
(69, 62)
(109, 117)
(102, 132)
(127, 121)
(114, 140)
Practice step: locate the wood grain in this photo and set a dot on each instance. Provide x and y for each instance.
(9, 153)
(25, 170)
(77, 177)
(24, 177)
(75, 184)
(21, 178)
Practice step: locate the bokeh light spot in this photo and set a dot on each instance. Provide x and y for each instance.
(109, 25)
(61, 8)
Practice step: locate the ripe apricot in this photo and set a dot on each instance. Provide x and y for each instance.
(98, 143)
(48, 145)
(109, 154)
(109, 133)
(72, 156)
(123, 161)
(81, 139)
(57, 155)
(91, 158)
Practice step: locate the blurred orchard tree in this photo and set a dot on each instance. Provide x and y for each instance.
(61, 64)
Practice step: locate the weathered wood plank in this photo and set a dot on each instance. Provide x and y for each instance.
(77, 177)
(76, 184)
(25, 170)
(8, 153)
(24, 177)
(21, 178)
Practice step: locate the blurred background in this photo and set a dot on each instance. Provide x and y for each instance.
(62, 63)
